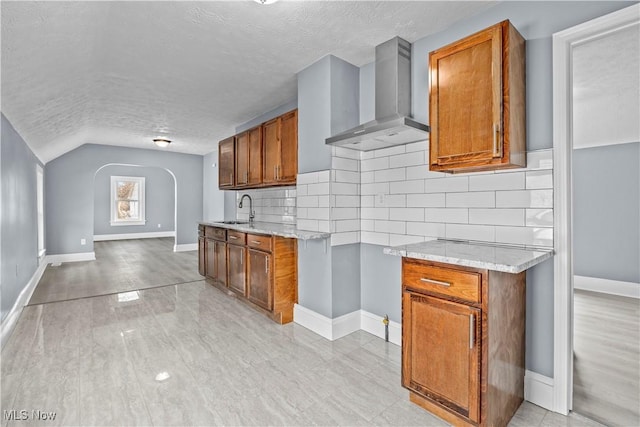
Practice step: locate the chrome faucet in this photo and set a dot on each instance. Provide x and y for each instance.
(252, 213)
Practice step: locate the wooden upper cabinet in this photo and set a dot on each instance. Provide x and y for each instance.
(226, 161)
(288, 168)
(242, 159)
(271, 151)
(255, 156)
(477, 102)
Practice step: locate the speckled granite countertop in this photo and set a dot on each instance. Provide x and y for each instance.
(271, 228)
(508, 259)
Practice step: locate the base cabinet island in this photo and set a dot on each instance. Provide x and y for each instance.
(463, 328)
(256, 262)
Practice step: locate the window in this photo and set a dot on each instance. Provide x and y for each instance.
(127, 200)
(40, 208)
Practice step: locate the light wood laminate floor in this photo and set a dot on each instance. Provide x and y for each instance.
(606, 360)
(120, 266)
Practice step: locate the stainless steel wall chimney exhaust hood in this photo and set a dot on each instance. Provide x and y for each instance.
(393, 124)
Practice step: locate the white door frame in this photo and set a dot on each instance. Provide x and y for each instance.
(563, 43)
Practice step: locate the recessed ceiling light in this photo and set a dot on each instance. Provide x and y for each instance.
(265, 1)
(161, 142)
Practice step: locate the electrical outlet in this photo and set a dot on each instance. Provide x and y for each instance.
(159, 225)
(83, 241)
(381, 198)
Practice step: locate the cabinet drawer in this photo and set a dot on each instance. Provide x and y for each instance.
(236, 237)
(215, 233)
(259, 241)
(201, 230)
(441, 280)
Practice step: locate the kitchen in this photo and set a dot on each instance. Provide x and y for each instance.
(389, 197)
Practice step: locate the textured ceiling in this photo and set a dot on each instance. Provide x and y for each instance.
(121, 73)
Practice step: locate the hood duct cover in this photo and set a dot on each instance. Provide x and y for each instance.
(393, 124)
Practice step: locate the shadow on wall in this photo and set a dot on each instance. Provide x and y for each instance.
(155, 207)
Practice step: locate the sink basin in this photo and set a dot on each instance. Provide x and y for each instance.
(235, 222)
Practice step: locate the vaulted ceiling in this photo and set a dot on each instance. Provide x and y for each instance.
(122, 73)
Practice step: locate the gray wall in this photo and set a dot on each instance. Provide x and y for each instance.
(159, 200)
(314, 276)
(345, 96)
(381, 282)
(606, 205)
(278, 111)
(345, 279)
(69, 192)
(212, 197)
(367, 92)
(18, 216)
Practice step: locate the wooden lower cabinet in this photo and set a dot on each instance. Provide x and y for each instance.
(259, 279)
(262, 270)
(202, 256)
(462, 350)
(236, 270)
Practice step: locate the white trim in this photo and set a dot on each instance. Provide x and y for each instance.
(539, 390)
(345, 324)
(127, 236)
(372, 323)
(563, 43)
(606, 286)
(81, 256)
(185, 247)
(604, 144)
(331, 329)
(9, 322)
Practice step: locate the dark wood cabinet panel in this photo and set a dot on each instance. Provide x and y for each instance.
(259, 278)
(242, 159)
(288, 164)
(202, 256)
(220, 263)
(226, 163)
(236, 268)
(271, 151)
(477, 102)
(255, 156)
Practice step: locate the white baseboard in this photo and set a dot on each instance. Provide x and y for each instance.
(372, 323)
(9, 322)
(82, 256)
(127, 236)
(605, 286)
(331, 329)
(538, 390)
(185, 247)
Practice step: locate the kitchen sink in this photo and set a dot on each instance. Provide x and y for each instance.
(235, 222)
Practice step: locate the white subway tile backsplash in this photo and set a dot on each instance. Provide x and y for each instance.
(344, 188)
(345, 164)
(447, 184)
(272, 205)
(318, 213)
(447, 215)
(532, 236)
(347, 201)
(391, 151)
(376, 188)
(307, 224)
(307, 201)
(390, 201)
(417, 146)
(324, 176)
(497, 216)
(345, 225)
(539, 179)
(324, 201)
(374, 238)
(367, 225)
(324, 226)
(404, 239)
(524, 199)
(539, 217)
(540, 159)
(406, 214)
(408, 159)
(407, 187)
(345, 213)
(347, 238)
(374, 164)
(374, 213)
(386, 175)
(505, 181)
(435, 200)
(484, 233)
(346, 152)
(397, 227)
(367, 201)
(320, 188)
(422, 172)
(302, 213)
(346, 176)
(367, 177)
(479, 199)
(307, 178)
(427, 229)
(302, 189)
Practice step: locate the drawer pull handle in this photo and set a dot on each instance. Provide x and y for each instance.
(472, 330)
(256, 242)
(497, 148)
(233, 237)
(266, 265)
(435, 282)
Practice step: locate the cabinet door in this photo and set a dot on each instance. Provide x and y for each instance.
(259, 279)
(465, 102)
(288, 166)
(440, 352)
(210, 258)
(202, 256)
(226, 160)
(220, 254)
(255, 156)
(271, 151)
(236, 268)
(242, 159)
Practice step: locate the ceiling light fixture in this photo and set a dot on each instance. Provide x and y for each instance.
(265, 1)
(161, 142)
